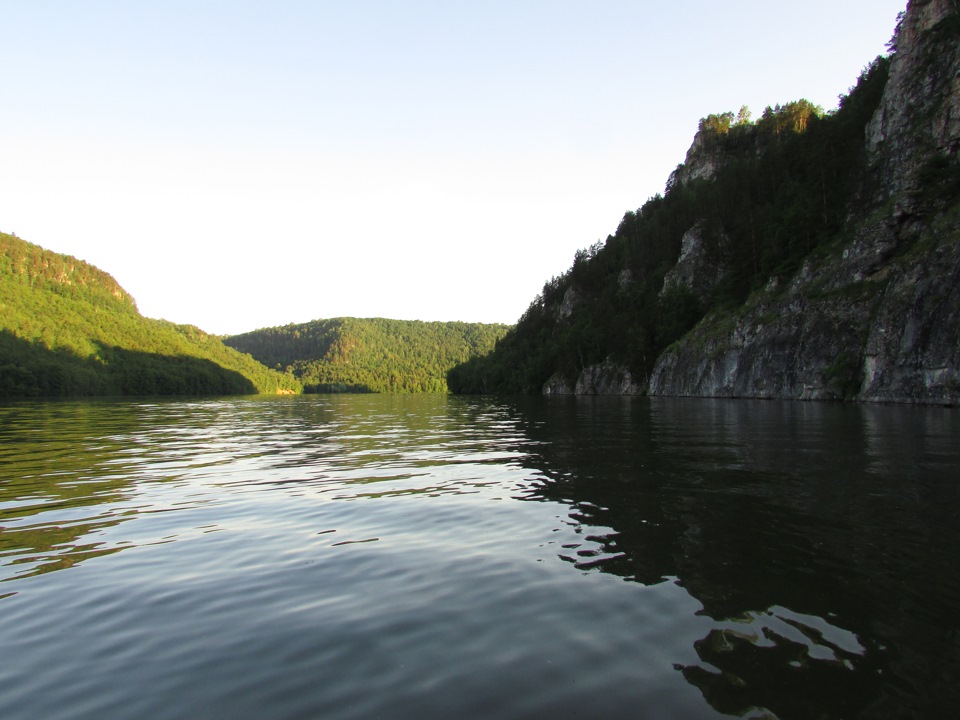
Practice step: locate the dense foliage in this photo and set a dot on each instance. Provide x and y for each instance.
(779, 189)
(369, 355)
(67, 328)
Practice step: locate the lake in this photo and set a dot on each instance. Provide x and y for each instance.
(380, 556)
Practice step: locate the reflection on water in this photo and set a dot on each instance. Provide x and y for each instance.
(74, 469)
(822, 539)
(798, 665)
(394, 556)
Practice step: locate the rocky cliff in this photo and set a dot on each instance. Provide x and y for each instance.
(877, 316)
(806, 255)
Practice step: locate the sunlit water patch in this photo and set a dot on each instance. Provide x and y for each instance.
(404, 556)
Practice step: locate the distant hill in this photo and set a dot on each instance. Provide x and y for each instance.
(68, 329)
(370, 355)
(803, 255)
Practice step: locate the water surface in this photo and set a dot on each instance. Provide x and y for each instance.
(436, 557)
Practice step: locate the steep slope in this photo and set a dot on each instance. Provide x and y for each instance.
(804, 255)
(877, 317)
(370, 355)
(68, 328)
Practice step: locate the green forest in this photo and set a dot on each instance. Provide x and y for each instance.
(370, 354)
(765, 196)
(781, 189)
(68, 329)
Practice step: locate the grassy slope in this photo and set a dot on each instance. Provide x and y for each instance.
(68, 328)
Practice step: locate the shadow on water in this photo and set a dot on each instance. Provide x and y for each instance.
(821, 540)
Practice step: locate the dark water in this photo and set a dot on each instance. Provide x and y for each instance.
(435, 557)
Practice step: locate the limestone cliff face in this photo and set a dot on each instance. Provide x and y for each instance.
(571, 299)
(698, 268)
(912, 350)
(889, 338)
(557, 385)
(859, 300)
(920, 111)
(700, 163)
(861, 327)
(606, 378)
(878, 318)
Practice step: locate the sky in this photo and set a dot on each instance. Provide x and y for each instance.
(237, 164)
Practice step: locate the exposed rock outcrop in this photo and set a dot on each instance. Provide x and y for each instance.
(919, 115)
(701, 162)
(700, 265)
(571, 298)
(912, 351)
(557, 385)
(878, 319)
(607, 378)
(890, 335)
(806, 255)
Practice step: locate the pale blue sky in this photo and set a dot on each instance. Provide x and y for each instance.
(237, 165)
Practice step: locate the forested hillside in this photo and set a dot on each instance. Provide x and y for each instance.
(806, 255)
(68, 329)
(369, 355)
(752, 200)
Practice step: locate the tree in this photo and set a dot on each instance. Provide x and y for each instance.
(718, 124)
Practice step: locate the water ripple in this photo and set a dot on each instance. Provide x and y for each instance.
(354, 557)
